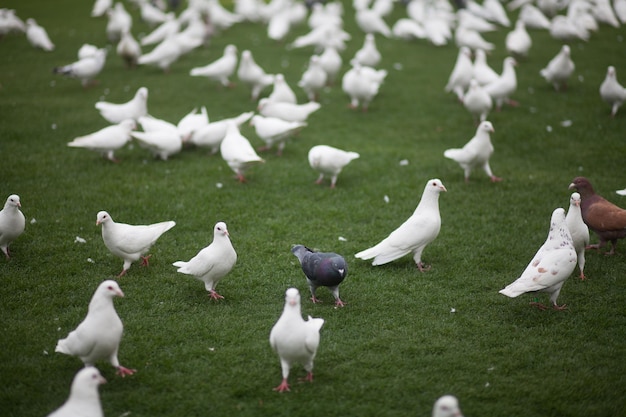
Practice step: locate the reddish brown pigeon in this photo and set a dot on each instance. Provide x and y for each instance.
(602, 216)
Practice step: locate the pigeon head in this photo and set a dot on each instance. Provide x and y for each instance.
(575, 199)
(246, 55)
(435, 185)
(558, 217)
(13, 201)
(292, 297)
(110, 289)
(583, 186)
(220, 229)
(566, 51)
(230, 50)
(486, 127)
(447, 406)
(300, 251)
(102, 217)
(89, 376)
(143, 92)
(610, 71)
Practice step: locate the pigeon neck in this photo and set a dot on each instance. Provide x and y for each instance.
(429, 201)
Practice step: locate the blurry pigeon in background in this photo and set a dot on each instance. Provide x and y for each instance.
(130, 242)
(281, 91)
(414, 234)
(322, 269)
(274, 130)
(37, 36)
(533, 18)
(212, 134)
(606, 219)
(213, 262)
(472, 39)
(85, 69)
(133, 109)
(151, 14)
(331, 62)
(559, 69)
(370, 21)
(477, 101)
(287, 111)
(482, 72)
(12, 223)
(164, 54)
(295, 340)
(107, 140)
(84, 398)
(100, 7)
(408, 29)
(119, 21)
(550, 267)
(220, 69)
(612, 91)
(313, 79)
(461, 74)
(328, 160)
(359, 86)
(447, 406)
(237, 151)
(518, 41)
(169, 27)
(128, 49)
(192, 122)
(501, 89)
(476, 152)
(578, 229)
(98, 336)
(252, 74)
(368, 55)
(10, 22)
(162, 142)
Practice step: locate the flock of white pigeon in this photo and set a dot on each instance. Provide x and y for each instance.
(475, 84)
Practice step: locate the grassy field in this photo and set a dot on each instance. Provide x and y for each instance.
(404, 338)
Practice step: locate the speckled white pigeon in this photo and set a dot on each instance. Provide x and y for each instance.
(107, 140)
(237, 151)
(578, 229)
(84, 398)
(132, 109)
(612, 91)
(477, 101)
(553, 263)
(414, 234)
(476, 152)
(250, 73)
(130, 242)
(559, 69)
(330, 161)
(12, 223)
(294, 339)
(213, 262)
(274, 130)
(98, 336)
(37, 35)
(220, 69)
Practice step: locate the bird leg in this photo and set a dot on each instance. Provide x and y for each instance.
(214, 295)
(319, 179)
(559, 307)
(512, 103)
(495, 179)
(582, 276)
(339, 303)
(144, 260)
(540, 306)
(307, 378)
(121, 371)
(423, 267)
(315, 300)
(121, 274)
(241, 178)
(284, 386)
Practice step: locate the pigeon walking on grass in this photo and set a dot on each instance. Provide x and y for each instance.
(128, 49)
(84, 398)
(476, 152)
(447, 406)
(501, 89)
(295, 340)
(132, 109)
(237, 151)
(322, 269)
(477, 101)
(86, 69)
(612, 91)
(553, 263)
(414, 234)
(461, 74)
(107, 140)
(274, 130)
(250, 73)
(220, 69)
(130, 242)
(98, 336)
(213, 262)
(559, 69)
(606, 219)
(330, 161)
(12, 223)
(578, 229)
(37, 36)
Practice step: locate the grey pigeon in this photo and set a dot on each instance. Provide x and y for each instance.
(12, 223)
(322, 269)
(84, 399)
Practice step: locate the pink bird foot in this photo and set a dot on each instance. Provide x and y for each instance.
(540, 306)
(145, 260)
(307, 378)
(315, 300)
(284, 386)
(582, 276)
(214, 295)
(339, 303)
(121, 371)
(495, 179)
(560, 307)
(423, 267)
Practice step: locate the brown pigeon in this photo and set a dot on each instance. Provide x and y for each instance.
(602, 216)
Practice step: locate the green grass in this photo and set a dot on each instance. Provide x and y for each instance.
(396, 346)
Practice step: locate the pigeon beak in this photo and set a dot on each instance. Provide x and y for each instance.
(292, 302)
(577, 202)
(119, 293)
(102, 380)
(443, 188)
(571, 186)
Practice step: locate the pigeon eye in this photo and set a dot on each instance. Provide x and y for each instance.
(110, 287)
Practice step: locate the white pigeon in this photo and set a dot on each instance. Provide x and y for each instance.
(476, 152)
(414, 234)
(313, 79)
(619, 7)
(518, 41)
(220, 69)
(85, 69)
(130, 242)
(328, 160)
(483, 73)
(578, 229)
(12, 223)
(553, 263)
(565, 28)
(359, 86)
(472, 39)
(477, 101)
(370, 21)
(191, 123)
(164, 54)
(461, 74)
(603, 12)
(621, 192)
(87, 50)
(368, 55)
(287, 111)
(533, 18)
(294, 339)
(107, 140)
(279, 25)
(212, 134)
(274, 130)
(128, 49)
(37, 36)
(84, 398)
(132, 109)
(501, 89)
(471, 21)
(408, 29)
(559, 69)
(220, 16)
(281, 92)
(98, 336)
(331, 62)
(250, 73)
(100, 7)
(170, 26)
(447, 406)
(161, 143)
(237, 151)
(496, 12)
(213, 262)
(151, 14)
(119, 21)
(612, 91)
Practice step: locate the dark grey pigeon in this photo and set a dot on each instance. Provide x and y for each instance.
(322, 269)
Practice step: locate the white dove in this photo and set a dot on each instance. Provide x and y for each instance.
(472, 39)
(100, 7)
(321, 37)
(107, 140)
(578, 229)
(496, 12)
(620, 10)
(274, 130)
(482, 72)
(359, 86)
(295, 340)
(331, 62)
(408, 29)
(477, 101)
(313, 79)
(130, 242)
(37, 36)
(250, 73)
(447, 406)
(533, 18)
(603, 12)
(12, 223)
(476, 152)
(371, 22)
(85, 69)
(237, 151)
(612, 91)
(132, 109)
(170, 26)
(287, 111)
(553, 263)
(461, 74)
(368, 55)
(279, 25)
(191, 123)
(221, 17)
(328, 160)
(128, 49)
(164, 54)
(98, 336)
(220, 69)
(212, 263)
(559, 69)
(84, 398)
(414, 234)
(212, 134)
(501, 89)
(151, 14)
(161, 143)
(119, 21)
(518, 41)
(281, 91)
